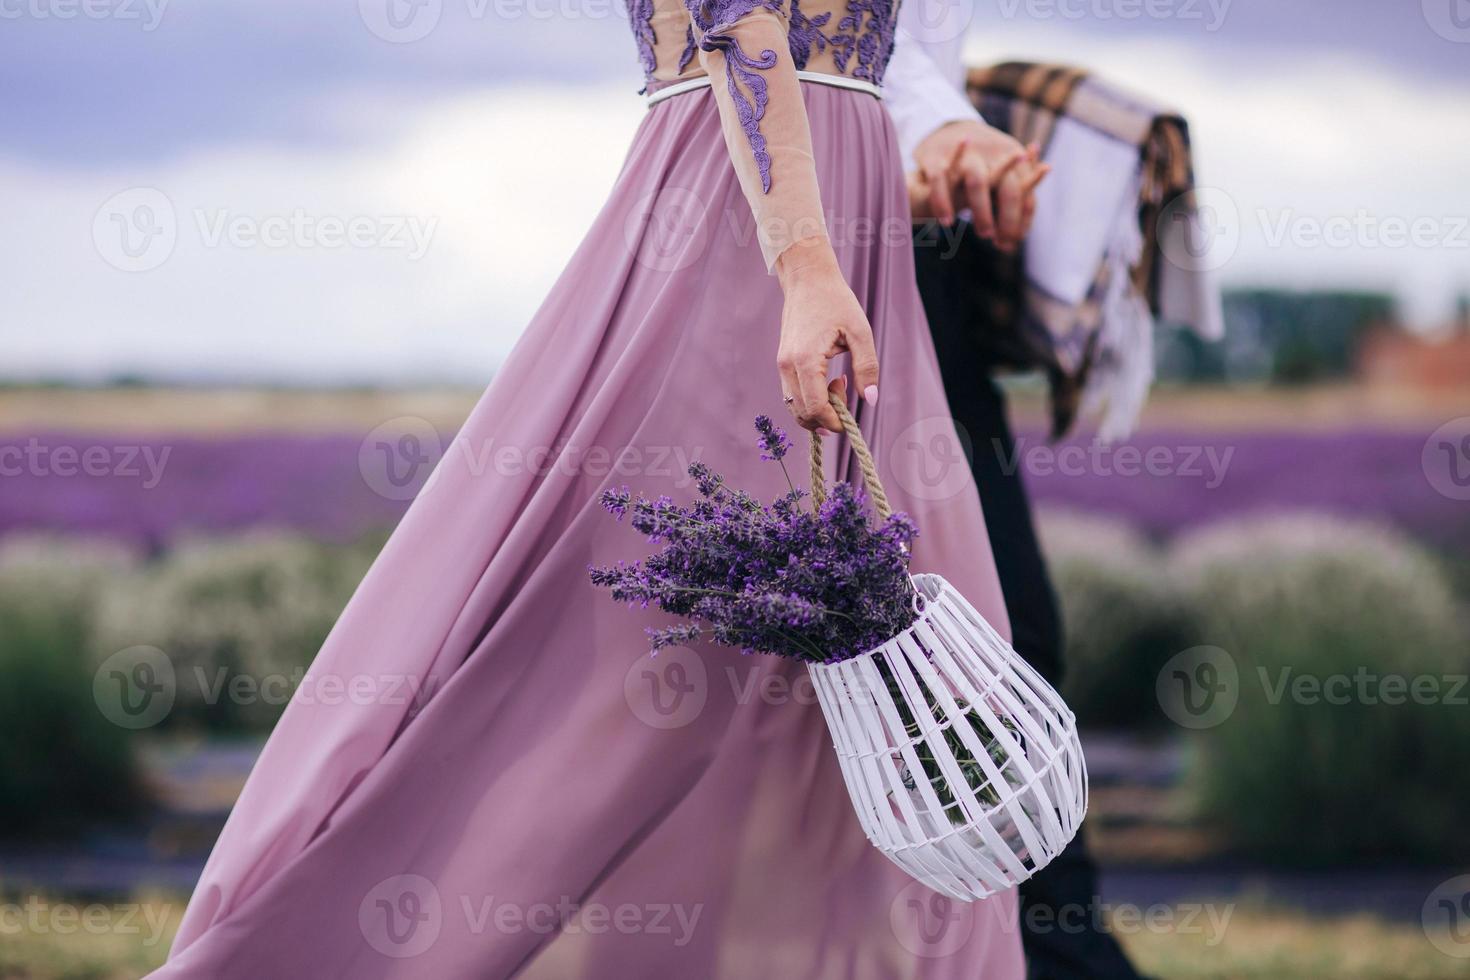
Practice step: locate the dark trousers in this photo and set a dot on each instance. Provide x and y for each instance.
(1058, 906)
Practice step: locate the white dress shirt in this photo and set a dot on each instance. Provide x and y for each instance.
(923, 87)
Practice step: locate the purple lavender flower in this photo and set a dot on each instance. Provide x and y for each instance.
(817, 585)
(773, 442)
(616, 502)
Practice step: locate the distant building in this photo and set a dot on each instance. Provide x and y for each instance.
(1391, 356)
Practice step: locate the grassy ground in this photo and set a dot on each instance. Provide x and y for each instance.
(1254, 944)
(222, 410)
(1262, 944)
(78, 939)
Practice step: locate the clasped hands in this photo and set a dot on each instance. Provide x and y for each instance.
(963, 165)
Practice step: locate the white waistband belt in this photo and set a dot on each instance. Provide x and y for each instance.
(821, 78)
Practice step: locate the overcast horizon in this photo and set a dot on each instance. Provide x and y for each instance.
(474, 156)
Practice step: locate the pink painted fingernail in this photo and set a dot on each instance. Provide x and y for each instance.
(870, 394)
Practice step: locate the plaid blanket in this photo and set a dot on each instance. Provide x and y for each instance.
(1079, 300)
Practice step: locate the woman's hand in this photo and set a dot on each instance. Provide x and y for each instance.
(968, 164)
(821, 319)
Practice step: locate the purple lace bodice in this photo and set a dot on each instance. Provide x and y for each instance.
(840, 37)
(853, 38)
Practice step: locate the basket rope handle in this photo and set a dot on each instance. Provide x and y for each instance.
(859, 449)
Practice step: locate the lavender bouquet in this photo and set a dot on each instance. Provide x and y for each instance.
(816, 583)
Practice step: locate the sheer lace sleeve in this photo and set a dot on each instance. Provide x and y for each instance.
(744, 47)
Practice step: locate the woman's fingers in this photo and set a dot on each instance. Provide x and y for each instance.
(816, 411)
(864, 361)
(941, 204)
(970, 172)
(921, 206)
(804, 389)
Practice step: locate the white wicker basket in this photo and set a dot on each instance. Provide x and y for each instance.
(962, 762)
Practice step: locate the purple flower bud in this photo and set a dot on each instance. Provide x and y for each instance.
(773, 441)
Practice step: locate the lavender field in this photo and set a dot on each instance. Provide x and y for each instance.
(150, 489)
(1368, 473)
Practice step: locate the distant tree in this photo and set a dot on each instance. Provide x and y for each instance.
(1277, 336)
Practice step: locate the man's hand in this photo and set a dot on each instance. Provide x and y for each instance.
(967, 164)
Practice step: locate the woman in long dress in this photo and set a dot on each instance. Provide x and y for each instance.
(554, 803)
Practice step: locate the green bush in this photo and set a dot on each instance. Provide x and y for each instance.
(62, 763)
(1290, 775)
(252, 608)
(1122, 618)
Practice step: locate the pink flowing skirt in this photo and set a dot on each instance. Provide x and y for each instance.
(563, 806)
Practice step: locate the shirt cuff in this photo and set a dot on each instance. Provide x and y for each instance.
(919, 98)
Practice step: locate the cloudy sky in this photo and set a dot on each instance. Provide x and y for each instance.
(341, 190)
